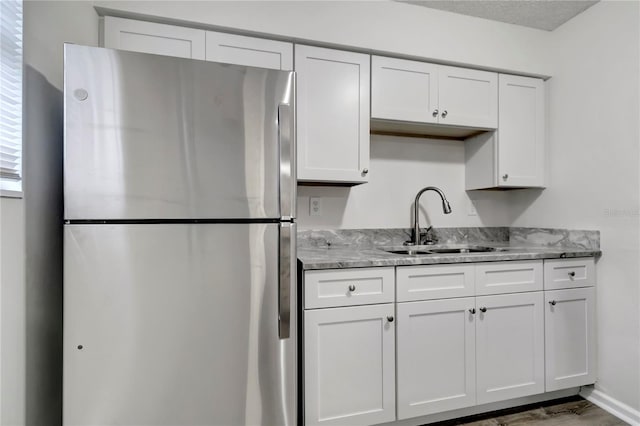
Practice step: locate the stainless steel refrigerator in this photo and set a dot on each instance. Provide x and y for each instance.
(179, 242)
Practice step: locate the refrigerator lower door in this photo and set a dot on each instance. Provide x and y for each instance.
(176, 325)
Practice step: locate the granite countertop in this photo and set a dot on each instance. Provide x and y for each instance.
(365, 248)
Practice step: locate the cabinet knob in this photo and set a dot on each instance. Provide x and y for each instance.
(390, 318)
(435, 112)
(552, 303)
(572, 274)
(444, 113)
(472, 311)
(365, 171)
(505, 176)
(352, 287)
(483, 309)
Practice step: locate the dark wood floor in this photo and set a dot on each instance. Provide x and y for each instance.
(567, 412)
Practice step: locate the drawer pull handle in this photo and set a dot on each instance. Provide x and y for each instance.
(472, 311)
(390, 318)
(483, 309)
(572, 274)
(352, 288)
(552, 303)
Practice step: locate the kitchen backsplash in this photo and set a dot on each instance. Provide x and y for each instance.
(584, 239)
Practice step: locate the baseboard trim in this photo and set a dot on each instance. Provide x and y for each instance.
(612, 405)
(480, 409)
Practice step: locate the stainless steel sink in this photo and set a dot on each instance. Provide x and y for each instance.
(477, 249)
(409, 252)
(426, 250)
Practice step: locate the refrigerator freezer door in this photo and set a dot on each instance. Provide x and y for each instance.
(156, 137)
(176, 325)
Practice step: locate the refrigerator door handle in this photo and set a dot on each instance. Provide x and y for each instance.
(287, 277)
(286, 141)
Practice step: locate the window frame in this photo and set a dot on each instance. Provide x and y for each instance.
(12, 80)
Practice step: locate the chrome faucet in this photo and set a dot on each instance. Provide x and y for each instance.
(446, 208)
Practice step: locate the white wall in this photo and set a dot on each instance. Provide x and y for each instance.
(399, 168)
(382, 26)
(594, 119)
(31, 375)
(12, 313)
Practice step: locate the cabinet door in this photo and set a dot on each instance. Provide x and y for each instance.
(249, 51)
(349, 365)
(149, 37)
(468, 97)
(436, 356)
(509, 346)
(521, 135)
(404, 90)
(570, 344)
(333, 115)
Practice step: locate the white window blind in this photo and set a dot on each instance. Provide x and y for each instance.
(11, 97)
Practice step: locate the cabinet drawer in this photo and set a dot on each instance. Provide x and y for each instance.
(508, 277)
(434, 282)
(346, 287)
(569, 273)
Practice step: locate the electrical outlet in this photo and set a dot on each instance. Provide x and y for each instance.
(315, 206)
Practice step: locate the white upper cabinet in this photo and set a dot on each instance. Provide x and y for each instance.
(333, 115)
(149, 37)
(249, 51)
(521, 133)
(421, 92)
(404, 90)
(468, 97)
(513, 156)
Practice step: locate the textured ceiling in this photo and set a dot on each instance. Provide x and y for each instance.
(542, 14)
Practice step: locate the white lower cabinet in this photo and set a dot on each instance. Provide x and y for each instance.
(509, 346)
(455, 353)
(436, 356)
(570, 344)
(350, 365)
(467, 335)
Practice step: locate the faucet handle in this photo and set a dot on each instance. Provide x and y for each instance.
(430, 237)
(426, 237)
